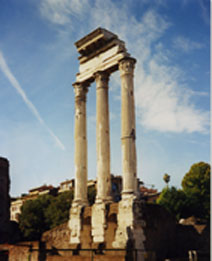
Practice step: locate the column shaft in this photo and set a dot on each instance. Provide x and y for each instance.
(80, 136)
(102, 138)
(126, 67)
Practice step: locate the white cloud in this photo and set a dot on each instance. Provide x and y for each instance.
(162, 98)
(186, 45)
(7, 72)
(60, 11)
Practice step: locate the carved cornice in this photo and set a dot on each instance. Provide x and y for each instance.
(102, 79)
(127, 65)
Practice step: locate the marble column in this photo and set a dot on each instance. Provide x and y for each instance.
(80, 195)
(102, 138)
(128, 135)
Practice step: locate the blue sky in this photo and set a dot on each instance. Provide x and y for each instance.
(38, 64)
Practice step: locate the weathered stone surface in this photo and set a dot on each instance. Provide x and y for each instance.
(75, 224)
(94, 41)
(103, 138)
(163, 238)
(128, 132)
(101, 54)
(98, 221)
(100, 50)
(59, 237)
(80, 156)
(21, 252)
(130, 231)
(107, 61)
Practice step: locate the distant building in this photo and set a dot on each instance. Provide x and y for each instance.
(15, 208)
(17, 203)
(42, 190)
(66, 185)
(149, 194)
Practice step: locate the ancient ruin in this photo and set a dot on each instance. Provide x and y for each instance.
(102, 53)
(4, 200)
(128, 230)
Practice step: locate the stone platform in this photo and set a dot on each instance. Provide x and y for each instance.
(158, 236)
(164, 238)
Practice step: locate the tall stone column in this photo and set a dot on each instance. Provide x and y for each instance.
(80, 160)
(129, 168)
(129, 219)
(102, 138)
(98, 219)
(80, 136)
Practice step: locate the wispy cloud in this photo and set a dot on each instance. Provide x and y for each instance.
(61, 11)
(164, 102)
(7, 72)
(205, 9)
(186, 45)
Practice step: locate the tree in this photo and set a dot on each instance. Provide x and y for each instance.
(174, 201)
(32, 221)
(196, 185)
(47, 212)
(57, 211)
(166, 178)
(44, 213)
(194, 198)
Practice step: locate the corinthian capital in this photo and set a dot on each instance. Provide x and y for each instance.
(102, 79)
(127, 65)
(80, 90)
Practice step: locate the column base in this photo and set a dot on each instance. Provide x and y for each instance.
(98, 221)
(130, 224)
(128, 194)
(80, 202)
(106, 200)
(75, 223)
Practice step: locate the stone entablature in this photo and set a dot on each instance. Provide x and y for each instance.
(100, 50)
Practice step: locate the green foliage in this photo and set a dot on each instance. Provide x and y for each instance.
(194, 198)
(197, 180)
(166, 178)
(32, 221)
(47, 212)
(57, 211)
(91, 195)
(44, 213)
(174, 201)
(196, 184)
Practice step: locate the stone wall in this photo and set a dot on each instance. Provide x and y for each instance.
(163, 239)
(21, 252)
(4, 200)
(159, 230)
